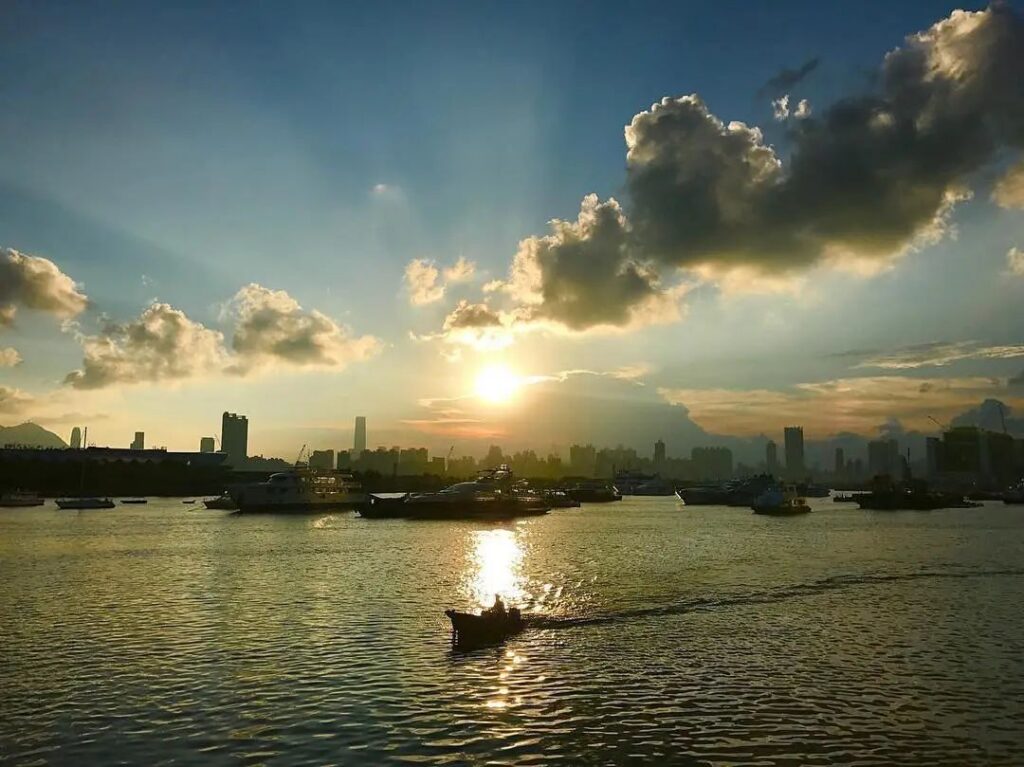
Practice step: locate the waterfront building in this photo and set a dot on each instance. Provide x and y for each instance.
(582, 460)
(359, 445)
(234, 438)
(322, 459)
(139, 443)
(709, 463)
(794, 444)
(207, 445)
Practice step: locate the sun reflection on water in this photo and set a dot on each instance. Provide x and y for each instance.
(497, 557)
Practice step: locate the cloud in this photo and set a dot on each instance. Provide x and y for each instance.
(780, 108)
(477, 325)
(163, 344)
(786, 79)
(1015, 261)
(803, 109)
(938, 354)
(992, 414)
(36, 283)
(855, 405)
(13, 400)
(9, 357)
(271, 328)
(421, 281)
(1009, 190)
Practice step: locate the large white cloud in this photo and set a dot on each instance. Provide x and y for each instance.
(271, 328)
(34, 282)
(163, 344)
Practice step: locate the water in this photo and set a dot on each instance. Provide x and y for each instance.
(159, 634)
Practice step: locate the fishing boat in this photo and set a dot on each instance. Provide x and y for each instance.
(493, 495)
(300, 490)
(84, 504)
(780, 502)
(488, 627)
(20, 499)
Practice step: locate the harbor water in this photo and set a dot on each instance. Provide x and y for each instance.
(164, 634)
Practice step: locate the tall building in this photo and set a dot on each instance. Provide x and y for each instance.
(840, 466)
(360, 441)
(234, 438)
(659, 453)
(884, 458)
(207, 445)
(771, 457)
(711, 462)
(794, 437)
(76, 438)
(139, 443)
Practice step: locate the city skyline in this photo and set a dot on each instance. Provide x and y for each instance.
(402, 268)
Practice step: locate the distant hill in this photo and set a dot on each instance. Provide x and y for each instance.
(29, 435)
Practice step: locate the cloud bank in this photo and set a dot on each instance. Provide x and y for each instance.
(36, 283)
(939, 354)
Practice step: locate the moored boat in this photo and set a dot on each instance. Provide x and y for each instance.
(560, 499)
(1015, 495)
(299, 491)
(887, 495)
(84, 504)
(595, 491)
(638, 483)
(20, 499)
(780, 502)
(222, 502)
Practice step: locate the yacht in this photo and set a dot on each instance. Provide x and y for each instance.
(299, 491)
(595, 491)
(637, 483)
(780, 502)
(19, 499)
(492, 495)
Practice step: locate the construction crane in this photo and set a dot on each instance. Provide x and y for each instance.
(942, 426)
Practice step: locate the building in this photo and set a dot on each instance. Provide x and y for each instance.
(582, 460)
(771, 457)
(794, 439)
(207, 445)
(76, 438)
(360, 441)
(139, 443)
(711, 462)
(234, 438)
(322, 459)
(884, 458)
(932, 451)
(840, 464)
(659, 453)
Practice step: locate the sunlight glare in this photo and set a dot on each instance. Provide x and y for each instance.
(497, 383)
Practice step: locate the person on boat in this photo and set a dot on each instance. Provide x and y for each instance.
(498, 609)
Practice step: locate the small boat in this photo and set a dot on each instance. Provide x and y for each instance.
(19, 499)
(560, 499)
(779, 502)
(221, 503)
(83, 504)
(133, 501)
(189, 501)
(486, 628)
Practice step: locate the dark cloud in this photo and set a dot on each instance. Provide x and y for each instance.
(36, 283)
(787, 78)
(272, 328)
(163, 344)
(469, 315)
(992, 414)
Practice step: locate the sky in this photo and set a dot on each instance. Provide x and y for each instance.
(529, 224)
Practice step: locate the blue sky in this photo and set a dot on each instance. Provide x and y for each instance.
(182, 152)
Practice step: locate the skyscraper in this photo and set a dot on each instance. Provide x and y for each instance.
(139, 443)
(794, 436)
(840, 466)
(234, 438)
(659, 453)
(76, 438)
(360, 441)
(207, 445)
(771, 457)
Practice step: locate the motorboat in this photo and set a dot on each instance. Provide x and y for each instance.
(492, 495)
(84, 504)
(222, 502)
(780, 502)
(595, 491)
(20, 499)
(133, 501)
(300, 490)
(560, 499)
(484, 628)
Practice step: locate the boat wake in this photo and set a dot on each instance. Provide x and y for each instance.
(766, 596)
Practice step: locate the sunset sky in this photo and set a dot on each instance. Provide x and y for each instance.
(528, 223)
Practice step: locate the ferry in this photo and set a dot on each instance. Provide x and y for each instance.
(299, 491)
(19, 499)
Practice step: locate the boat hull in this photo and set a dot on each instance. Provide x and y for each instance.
(471, 630)
(84, 504)
(409, 507)
(347, 503)
(21, 503)
(781, 511)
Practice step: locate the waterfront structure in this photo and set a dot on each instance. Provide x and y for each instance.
(360, 441)
(76, 438)
(139, 443)
(794, 444)
(207, 445)
(322, 459)
(234, 438)
(659, 453)
(711, 463)
(771, 457)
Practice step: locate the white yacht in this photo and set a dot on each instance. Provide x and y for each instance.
(299, 491)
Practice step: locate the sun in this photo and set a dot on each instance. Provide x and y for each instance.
(497, 383)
